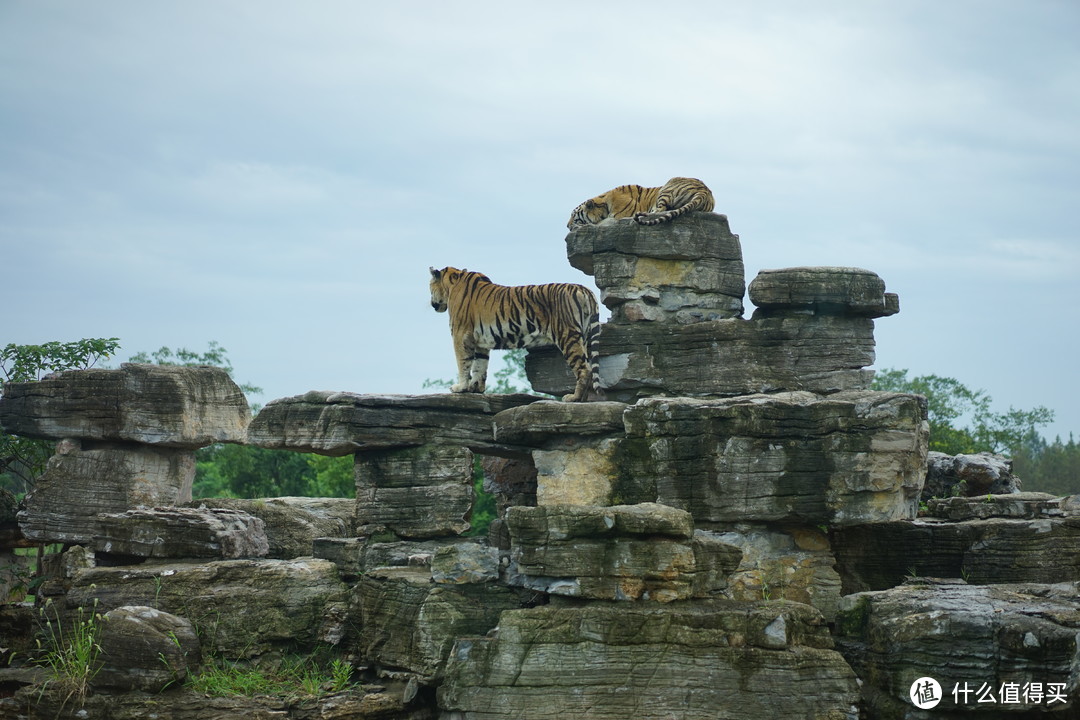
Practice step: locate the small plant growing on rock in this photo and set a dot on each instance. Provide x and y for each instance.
(71, 653)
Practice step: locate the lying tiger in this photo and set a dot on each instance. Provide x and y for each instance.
(648, 206)
(486, 316)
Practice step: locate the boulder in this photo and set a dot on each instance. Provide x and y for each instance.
(169, 406)
(293, 523)
(845, 459)
(181, 533)
(145, 649)
(341, 423)
(683, 272)
(462, 563)
(407, 623)
(420, 492)
(356, 556)
(691, 660)
(240, 608)
(84, 479)
(981, 641)
(975, 475)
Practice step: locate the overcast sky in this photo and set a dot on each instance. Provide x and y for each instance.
(278, 177)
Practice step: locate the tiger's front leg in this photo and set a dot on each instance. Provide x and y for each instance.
(472, 364)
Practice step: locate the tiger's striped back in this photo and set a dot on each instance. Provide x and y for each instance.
(486, 316)
(648, 206)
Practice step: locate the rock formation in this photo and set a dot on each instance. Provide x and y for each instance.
(734, 533)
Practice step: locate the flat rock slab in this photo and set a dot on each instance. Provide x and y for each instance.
(693, 660)
(184, 407)
(836, 290)
(1021, 505)
(547, 421)
(181, 533)
(844, 459)
(985, 638)
(985, 551)
(784, 352)
(241, 608)
(341, 423)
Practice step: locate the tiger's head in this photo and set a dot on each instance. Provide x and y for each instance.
(440, 286)
(590, 212)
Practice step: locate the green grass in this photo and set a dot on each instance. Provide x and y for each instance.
(70, 654)
(296, 675)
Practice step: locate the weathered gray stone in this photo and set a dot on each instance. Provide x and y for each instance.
(784, 352)
(341, 423)
(783, 563)
(293, 523)
(143, 648)
(627, 552)
(241, 608)
(1026, 505)
(992, 551)
(407, 623)
(418, 492)
(834, 290)
(548, 422)
(843, 459)
(982, 638)
(968, 475)
(690, 660)
(184, 407)
(684, 272)
(181, 533)
(83, 480)
(462, 563)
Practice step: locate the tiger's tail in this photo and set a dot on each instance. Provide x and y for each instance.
(668, 215)
(592, 343)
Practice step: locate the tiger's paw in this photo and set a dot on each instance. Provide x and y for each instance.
(459, 388)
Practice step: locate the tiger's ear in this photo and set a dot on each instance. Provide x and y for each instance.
(435, 273)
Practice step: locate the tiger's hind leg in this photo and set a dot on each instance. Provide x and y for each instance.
(576, 354)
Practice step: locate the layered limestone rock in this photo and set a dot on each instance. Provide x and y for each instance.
(240, 608)
(676, 291)
(293, 524)
(182, 407)
(84, 480)
(341, 423)
(181, 533)
(698, 659)
(1026, 537)
(126, 436)
(839, 460)
(987, 645)
(684, 272)
(626, 552)
(420, 492)
(408, 623)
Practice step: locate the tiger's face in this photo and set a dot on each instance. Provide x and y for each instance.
(439, 290)
(590, 212)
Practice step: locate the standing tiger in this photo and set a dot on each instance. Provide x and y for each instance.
(486, 316)
(648, 206)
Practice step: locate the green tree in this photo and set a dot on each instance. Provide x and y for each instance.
(22, 460)
(1049, 467)
(950, 402)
